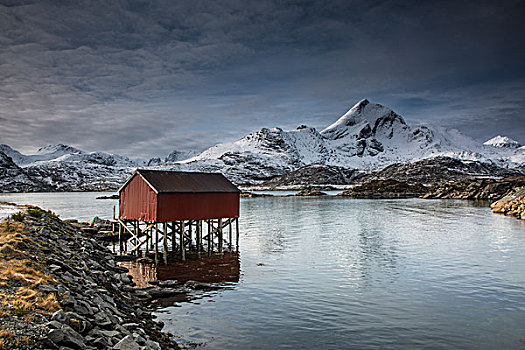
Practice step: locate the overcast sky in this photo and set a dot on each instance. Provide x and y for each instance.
(142, 78)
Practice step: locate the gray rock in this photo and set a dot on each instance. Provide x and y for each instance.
(110, 334)
(122, 330)
(127, 343)
(139, 339)
(100, 343)
(46, 288)
(130, 325)
(66, 336)
(54, 268)
(158, 292)
(196, 285)
(168, 283)
(127, 288)
(153, 345)
(82, 309)
(102, 320)
(71, 315)
(54, 325)
(121, 277)
(59, 316)
(142, 295)
(71, 301)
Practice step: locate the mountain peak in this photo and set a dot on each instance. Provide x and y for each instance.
(60, 147)
(502, 141)
(361, 103)
(363, 115)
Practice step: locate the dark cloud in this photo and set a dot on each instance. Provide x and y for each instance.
(144, 77)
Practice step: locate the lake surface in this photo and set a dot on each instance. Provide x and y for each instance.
(68, 205)
(335, 273)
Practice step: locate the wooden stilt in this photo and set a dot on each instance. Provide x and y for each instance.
(210, 239)
(173, 238)
(156, 244)
(136, 230)
(190, 225)
(182, 248)
(120, 238)
(198, 238)
(165, 242)
(200, 230)
(219, 232)
(148, 233)
(230, 235)
(146, 238)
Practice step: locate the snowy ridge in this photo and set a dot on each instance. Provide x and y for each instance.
(502, 141)
(367, 137)
(64, 153)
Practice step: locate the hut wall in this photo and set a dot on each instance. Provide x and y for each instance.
(197, 206)
(138, 201)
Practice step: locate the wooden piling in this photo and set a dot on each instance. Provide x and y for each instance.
(156, 244)
(198, 238)
(136, 231)
(210, 239)
(143, 240)
(147, 242)
(190, 238)
(120, 238)
(219, 233)
(165, 242)
(230, 235)
(182, 248)
(173, 237)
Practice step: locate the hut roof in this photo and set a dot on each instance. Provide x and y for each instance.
(162, 181)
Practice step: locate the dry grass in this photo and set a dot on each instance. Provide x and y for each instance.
(9, 340)
(6, 334)
(22, 271)
(20, 275)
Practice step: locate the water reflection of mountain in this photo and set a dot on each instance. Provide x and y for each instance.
(215, 269)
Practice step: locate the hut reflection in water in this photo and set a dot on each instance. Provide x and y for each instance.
(218, 268)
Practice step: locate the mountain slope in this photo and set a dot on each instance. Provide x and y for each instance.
(14, 179)
(502, 141)
(368, 137)
(62, 168)
(262, 155)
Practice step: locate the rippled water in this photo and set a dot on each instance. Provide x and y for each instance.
(334, 273)
(68, 205)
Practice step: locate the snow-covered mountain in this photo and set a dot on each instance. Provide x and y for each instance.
(173, 157)
(502, 141)
(62, 167)
(63, 153)
(15, 179)
(16, 157)
(367, 137)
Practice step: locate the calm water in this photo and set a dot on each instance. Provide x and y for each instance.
(332, 273)
(68, 205)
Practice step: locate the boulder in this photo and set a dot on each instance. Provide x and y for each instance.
(127, 343)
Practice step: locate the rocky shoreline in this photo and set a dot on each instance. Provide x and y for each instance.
(513, 204)
(61, 289)
(472, 189)
(384, 189)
